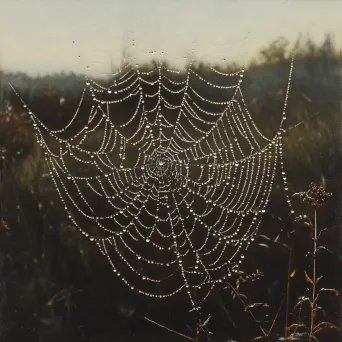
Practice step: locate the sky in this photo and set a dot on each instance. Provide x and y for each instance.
(84, 36)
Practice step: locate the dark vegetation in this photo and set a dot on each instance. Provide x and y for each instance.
(59, 288)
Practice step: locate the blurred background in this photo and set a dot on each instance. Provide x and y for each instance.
(54, 284)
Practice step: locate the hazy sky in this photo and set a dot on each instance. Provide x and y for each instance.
(51, 35)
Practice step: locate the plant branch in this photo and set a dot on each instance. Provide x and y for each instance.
(275, 318)
(166, 328)
(288, 286)
(248, 309)
(312, 318)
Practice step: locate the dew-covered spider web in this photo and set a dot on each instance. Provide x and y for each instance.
(168, 174)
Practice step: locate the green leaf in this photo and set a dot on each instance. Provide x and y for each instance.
(301, 301)
(293, 273)
(330, 290)
(318, 279)
(295, 326)
(323, 248)
(254, 305)
(323, 326)
(264, 245)
(308, 279)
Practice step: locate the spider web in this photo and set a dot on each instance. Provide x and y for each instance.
(169, 176)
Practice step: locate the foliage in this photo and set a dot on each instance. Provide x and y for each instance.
(314, 196)
(54, 278)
